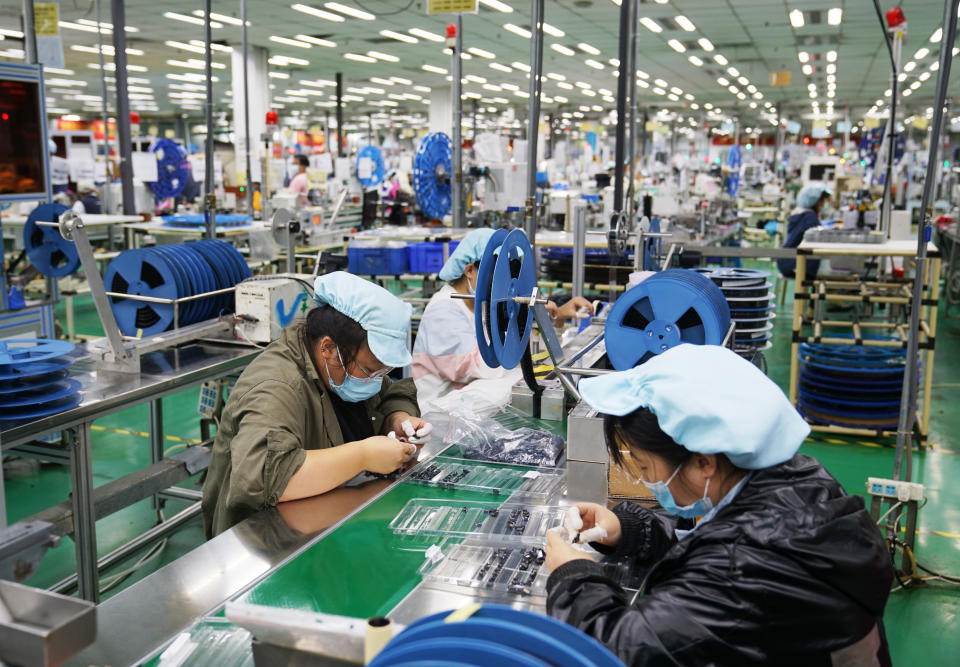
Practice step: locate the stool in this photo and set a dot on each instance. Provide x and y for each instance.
(782, 283)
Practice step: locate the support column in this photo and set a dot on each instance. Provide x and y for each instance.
(29, 34)
(84, 521)
(456, 208)
(340, 138)
(249, 118)
(533, 114)
(124, 147)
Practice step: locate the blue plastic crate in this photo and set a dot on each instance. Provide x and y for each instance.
(426, 257)
(377, 261)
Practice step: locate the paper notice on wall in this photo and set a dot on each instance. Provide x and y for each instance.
(100, 171)
(364, 168)
(342, 169)
(324, 162)
(406, 164)
(47, 29)
(82, 169)
(145, 166)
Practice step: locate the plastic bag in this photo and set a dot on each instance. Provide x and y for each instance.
(485, 439)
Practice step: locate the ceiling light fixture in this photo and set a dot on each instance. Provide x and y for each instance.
(553, 31)
(796, 18)
(831, 56)
(676, 45)
(516, 30)
(834, 16)
(434, 69)
(651, 25)
(482, 53)
(399, 36)
(695, 61)
(685, 23)
(350, 11)
(565, 50)
(289, 42)
(426, 34)
(363, 59)
(497, 5)
(587, 48)
(188, 19)
(593, 63)
(500, 68)
(318, 13)
(706, 45)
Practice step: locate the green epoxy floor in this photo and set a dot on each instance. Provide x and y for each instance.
(921, 624)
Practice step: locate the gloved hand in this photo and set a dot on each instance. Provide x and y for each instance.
(568, 311)
(383, 455)
(559, 551)
(417, 430)
(596, 516)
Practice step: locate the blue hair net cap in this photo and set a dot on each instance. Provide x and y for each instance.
(708, 399)
(469, 251)
(384, 317)
(811, 194)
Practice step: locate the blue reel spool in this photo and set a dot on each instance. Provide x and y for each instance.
(173, 169)
(733, 178)
(432, 175)
(20, 351)
(481, 299)
(373, 154)
(870, 144)
(669, 308)
(511, 322)
(495, 635)
(48, 251)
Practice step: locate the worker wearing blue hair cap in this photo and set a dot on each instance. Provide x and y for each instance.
(810, 202)
(783, 566)
(316, 408)
(447, 366)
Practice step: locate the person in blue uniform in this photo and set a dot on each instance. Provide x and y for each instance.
(810, 201)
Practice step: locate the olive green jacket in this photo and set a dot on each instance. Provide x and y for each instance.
(278, 409)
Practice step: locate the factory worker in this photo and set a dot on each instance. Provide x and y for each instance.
(88, 201)
(315, 409)
(783, 567)
(299, 184)
(447, 366)
(810, 202)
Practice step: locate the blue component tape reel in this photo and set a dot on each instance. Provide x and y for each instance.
(432, 175)
(733, 178)
(173, 169)
(511, 322)
(374, 176)
(33, 379)
(48, 251)
(481, 300)
(669, 308)
(173, 272)
(21, 351)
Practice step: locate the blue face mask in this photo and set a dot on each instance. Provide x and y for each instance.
(472, 288)
(353, 389)
(662, 492)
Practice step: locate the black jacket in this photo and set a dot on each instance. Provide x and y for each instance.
(791, 571)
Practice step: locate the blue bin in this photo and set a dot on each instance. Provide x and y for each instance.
(426, 257)
(377, 261)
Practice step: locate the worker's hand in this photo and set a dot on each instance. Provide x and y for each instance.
(598, 515)
(560, 552)
(568, 311)
(383, 455)
(407, 427)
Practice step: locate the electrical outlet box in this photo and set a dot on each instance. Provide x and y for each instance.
(891, 488)
(267, 307)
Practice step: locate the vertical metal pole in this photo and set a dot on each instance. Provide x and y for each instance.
(107, 190)
(340, 151)
(3, 493)
(156, 436)
(778, 142)
(246, 107)
(473, 138)
(908, 396)
(81, 499)
(209, 186)
(631, 117)
(579, 248)
(533, 115)
(891, 134)
(622, 93)
(29, 34)
(124, 145)
(456, 92)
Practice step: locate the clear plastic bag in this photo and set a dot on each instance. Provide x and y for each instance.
(485, 439)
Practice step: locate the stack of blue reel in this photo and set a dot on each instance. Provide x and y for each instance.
(173, 272)
(851, 385)
(668, 308)
(494, 635)
(34, 379)
(751, 306)
(193, 220)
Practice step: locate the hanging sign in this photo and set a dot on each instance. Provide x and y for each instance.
(453, 6)
(47, 28)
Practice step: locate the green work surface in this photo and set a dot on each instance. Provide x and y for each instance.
(361, 569)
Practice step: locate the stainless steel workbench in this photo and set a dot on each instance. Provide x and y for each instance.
(163, 373)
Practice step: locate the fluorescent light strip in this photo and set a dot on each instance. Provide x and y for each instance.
(705, 44)
(286, 61)
(399, 36)
(221, 17)
(383, 56)
(835, 16)
(500, 68)
(318, 13)
(685, 23)
(434, 69)
(425, 34)
(190, 19)
(316, 41)
(651, 25)
(552, 31)
(289, 42)
(796, 18)
(695, 61)
(587, 48)
(516, 30)
(482, 53)
(676, 45)
(223, 48)
(350, 11)
(565, 50)
(590, 62)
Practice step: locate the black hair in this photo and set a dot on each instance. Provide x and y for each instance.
(641, 430)
(347, 334)
(303, 160)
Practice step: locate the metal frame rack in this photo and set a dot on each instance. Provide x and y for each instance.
(856, 290)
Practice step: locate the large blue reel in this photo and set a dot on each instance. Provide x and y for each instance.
(373, 154)
(432, 175)
(173, 169)
(669, 308)
(733, 162)
(481, 299)
(49, 252)
(871, 143)
(511, 322)
(494, 635)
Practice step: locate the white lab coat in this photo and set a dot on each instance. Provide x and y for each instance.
(448, 370)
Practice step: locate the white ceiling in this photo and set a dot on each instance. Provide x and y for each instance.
(755, 36)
